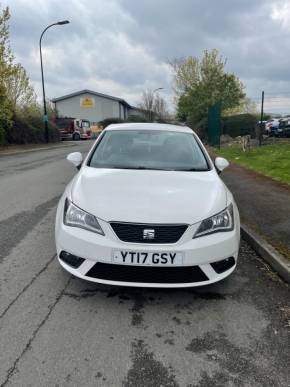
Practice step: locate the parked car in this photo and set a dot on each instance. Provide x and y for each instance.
(148, 208)
(284, 127)
(272, 127)
(286, 130)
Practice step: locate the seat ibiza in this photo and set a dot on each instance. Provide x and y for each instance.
(147, 208)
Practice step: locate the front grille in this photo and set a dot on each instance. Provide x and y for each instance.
(133, 232)
(163, 275)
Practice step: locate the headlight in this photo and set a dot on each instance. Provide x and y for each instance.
(223, 221)
(75, 217)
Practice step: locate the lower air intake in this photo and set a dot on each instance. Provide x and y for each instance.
(224, 265)
(163, 275)
(71, 260)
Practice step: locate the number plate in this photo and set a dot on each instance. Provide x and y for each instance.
(147, 258)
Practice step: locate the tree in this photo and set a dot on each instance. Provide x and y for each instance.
(160, 108)
(6, 69)
(186, 74)
(20, 93)
(153, 105)
(17, 97)
(198, 84)
(146, 103)
(247, 105)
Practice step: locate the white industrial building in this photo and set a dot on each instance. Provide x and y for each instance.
(93, 106)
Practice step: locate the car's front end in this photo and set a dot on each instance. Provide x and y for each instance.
(118, 254)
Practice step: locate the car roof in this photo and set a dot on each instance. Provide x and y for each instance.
(149, 126)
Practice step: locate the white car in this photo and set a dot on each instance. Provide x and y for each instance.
(148, 208)
(273, 126)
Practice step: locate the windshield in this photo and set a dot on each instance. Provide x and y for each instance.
(85, 124)
(149, 149)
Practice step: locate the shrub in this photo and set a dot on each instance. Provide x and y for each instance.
(114, 120)
(236, 125)
(5, 118)
(108, 121)
(135, 118)
(30, 130)
(239, 125)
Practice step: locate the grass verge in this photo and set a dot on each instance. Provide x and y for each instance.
(270, 160)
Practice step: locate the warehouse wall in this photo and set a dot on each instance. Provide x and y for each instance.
(103, 108)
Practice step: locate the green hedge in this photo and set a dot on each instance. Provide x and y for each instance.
(113, 120)
(108, 121)
(29, 130)
(239, 125)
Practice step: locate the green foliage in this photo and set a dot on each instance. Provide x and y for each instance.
(236, 125)
(270, 160)
(132, 118)
(5, 115)
(239, 125)
(29, 128)
(135, 118)
(20, 93)
(6, 59)
(108, 121)
(246, 106)
(200, 84)
(20, 115)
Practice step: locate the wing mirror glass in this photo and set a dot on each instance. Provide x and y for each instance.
(221, 164)
(75, 158)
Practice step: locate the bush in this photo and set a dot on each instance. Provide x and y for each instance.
(239, 125)
(108, 121)
(135, 118)
(113, 120)
(27, 130)
(5, 118)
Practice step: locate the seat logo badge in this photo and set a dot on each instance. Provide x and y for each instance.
(148, 234)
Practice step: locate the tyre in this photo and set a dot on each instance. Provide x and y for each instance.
(76, 137)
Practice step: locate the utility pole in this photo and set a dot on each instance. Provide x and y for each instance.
(261, 120)
(151, 114)
(45, 118)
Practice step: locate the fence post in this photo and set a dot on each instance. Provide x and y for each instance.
(261, 120)
(214, 124)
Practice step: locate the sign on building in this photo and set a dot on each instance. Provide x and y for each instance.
(87, 102)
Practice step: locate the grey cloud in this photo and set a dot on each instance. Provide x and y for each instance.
(123, 45)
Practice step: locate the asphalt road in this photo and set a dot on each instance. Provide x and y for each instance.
(56, 330)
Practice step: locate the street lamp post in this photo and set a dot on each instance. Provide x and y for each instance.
(154, 91)
(45, 119)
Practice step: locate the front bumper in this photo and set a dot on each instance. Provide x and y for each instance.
(85, 136)
(200, 254)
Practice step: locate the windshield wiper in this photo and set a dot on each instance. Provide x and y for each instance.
(139, 167)
(148, 168)
(193, 170)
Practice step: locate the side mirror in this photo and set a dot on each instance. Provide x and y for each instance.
(221, 163)
(75, 158)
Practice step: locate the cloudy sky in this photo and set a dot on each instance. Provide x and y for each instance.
(121, 47)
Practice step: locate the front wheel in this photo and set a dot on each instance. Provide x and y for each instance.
(76, 137)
